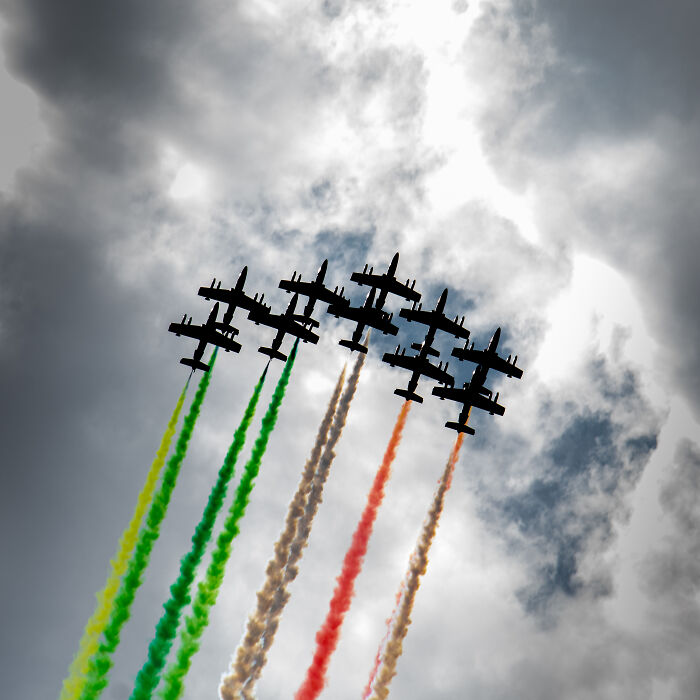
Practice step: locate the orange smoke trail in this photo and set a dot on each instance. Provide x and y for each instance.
(417, 567)
(328, 634)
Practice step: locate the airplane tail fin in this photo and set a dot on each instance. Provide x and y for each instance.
(409, 395)
(272, 354)
(194, 364)
(460, 427)
(353, 345)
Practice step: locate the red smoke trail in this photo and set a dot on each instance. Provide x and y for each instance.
(417, 567)
(328, 634)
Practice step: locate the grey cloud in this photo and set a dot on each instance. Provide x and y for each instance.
(607, 78)
(575, 490)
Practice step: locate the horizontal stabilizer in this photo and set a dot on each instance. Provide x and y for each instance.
(409, 395)
(429, 350)
(194, 364)
(272, 354)
(460, 427)
(353, 345)
(469, 354)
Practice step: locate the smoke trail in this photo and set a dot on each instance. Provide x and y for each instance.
(101, 662)
(73, 684)
(417, 567)
(166, 629)
(378, 657)
(208, 589)
(249, 667)
(327, 636)
(275, 567)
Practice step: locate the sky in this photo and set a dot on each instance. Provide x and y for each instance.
(538, 158)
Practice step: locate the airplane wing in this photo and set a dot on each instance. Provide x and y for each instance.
(187, 329)
(306, 289)
(223, 341)
(469, 398)
(391, 285)
(234, 297)
(437, 320)
(491, 360)
(372, 317)
(423, 366)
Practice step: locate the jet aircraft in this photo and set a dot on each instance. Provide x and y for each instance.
(234, 297)
(489, 357)
(206, 333)
(475, 393)
(420, 364)
(386, 283)
(315, 291)
(365, 315)
(286, 325)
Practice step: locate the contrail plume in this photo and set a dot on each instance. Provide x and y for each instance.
(249, 666)
(101, 661)
(417, 567)
(275, 567)
(166, 629)
(328, 634)
(73, 684)
(208, 589)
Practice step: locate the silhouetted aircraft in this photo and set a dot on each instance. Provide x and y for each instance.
(315, 291)
(206, 333)
(474, 393)
(436, 321)
(489, 357)
(234, 297)
(419, 365)
(387, 283)
(365, 315)
(286, 325)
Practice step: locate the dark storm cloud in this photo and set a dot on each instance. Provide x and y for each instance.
(618, 82)
(575, 488)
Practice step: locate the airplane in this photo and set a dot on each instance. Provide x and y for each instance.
(234, 297)
(286, 325)
(419, 365)
(366, 315)
(489, 357)
(315, 291)
(206, 333)
(387, 283)
(474, 393)
(435, 320)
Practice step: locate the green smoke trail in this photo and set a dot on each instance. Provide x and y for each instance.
(166, 629)
(101, 662)
(208, 589)
(89, 643)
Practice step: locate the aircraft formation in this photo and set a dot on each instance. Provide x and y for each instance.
(370, 314)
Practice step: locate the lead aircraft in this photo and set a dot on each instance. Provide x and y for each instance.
(206, 333)
(386, 283)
